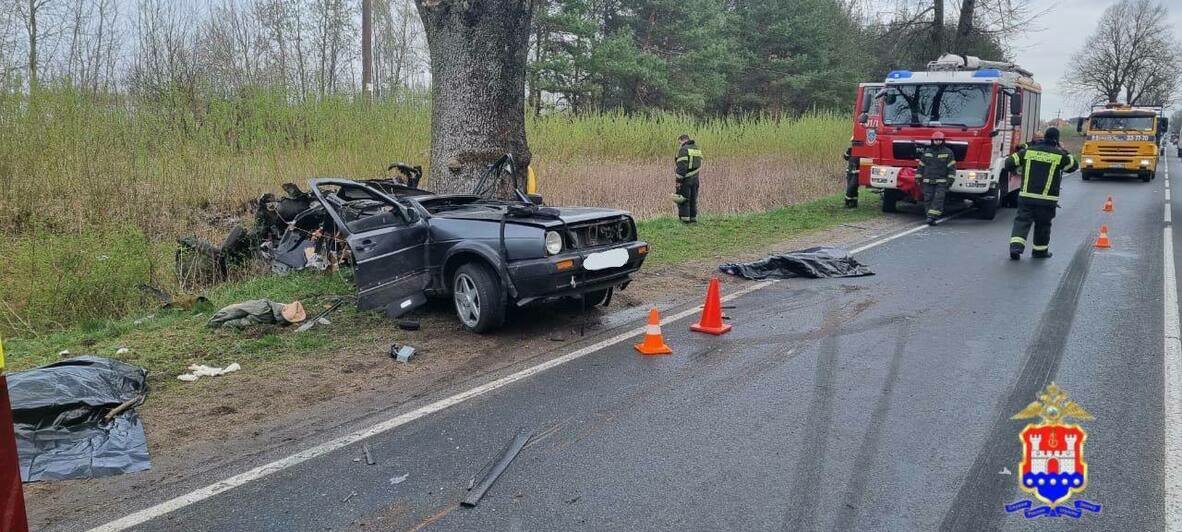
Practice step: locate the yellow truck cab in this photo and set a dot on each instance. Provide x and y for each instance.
(1122, 139)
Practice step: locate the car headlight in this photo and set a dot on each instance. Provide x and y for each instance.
(1144, 162)
(1089, 161)
(553, 242)
(973, 176)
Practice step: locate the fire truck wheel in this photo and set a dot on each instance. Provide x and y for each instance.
(987, 207)
(890, 199)
(1085, 175)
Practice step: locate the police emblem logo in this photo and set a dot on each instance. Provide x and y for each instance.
(1053, 468)
(871, 136)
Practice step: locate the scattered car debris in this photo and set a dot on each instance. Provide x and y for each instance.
(477, 492)
(77, 419)
(197, 371)
(399, 480)
(322, 318)
(402, 352)
(349, 496)
(144, 319)
(817, 262)
(64, 353)
(409, 325)
(368, 457)
(258, 311)
(1004, 471)
(122, 350)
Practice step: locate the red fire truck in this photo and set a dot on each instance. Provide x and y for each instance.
(862, 152)
(986, 109)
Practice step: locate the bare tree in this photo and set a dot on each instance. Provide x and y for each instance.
(478, 57)
(1130, 53)
(32, 13)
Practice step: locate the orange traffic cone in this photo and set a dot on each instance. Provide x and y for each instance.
(1102, 241)
(654, 343)
(711, 322)
(1108, 204)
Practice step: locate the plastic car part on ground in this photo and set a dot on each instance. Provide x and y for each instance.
(258, 311)
(818, 262)
(60, 410)
(197, 371)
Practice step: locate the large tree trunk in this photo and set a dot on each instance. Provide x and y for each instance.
(478, 57)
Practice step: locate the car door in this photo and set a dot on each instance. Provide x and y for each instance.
(388, 240)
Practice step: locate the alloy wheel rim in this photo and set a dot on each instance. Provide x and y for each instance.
(467, 300)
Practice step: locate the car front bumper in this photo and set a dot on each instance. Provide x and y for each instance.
(566, 274)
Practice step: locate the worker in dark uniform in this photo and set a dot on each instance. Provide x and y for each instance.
(689, 162)
(851, 178)
(1042, 164)
(937, 167)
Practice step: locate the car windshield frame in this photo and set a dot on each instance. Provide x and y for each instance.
(1121, 123)
(943, 104)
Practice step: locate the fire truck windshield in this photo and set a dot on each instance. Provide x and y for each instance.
(1121, 123)
(949, 104)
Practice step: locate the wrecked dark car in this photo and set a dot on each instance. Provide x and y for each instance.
(407, 244)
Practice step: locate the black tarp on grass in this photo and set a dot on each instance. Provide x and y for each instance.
(58, 413)
(818, 262)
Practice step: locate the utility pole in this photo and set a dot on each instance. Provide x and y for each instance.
(367, 50)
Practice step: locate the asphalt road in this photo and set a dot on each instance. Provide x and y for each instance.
(876, 403)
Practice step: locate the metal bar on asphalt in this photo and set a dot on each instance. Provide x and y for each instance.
(477, 492)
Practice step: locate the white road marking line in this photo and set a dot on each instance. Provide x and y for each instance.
(257, 473)
(1172, 332)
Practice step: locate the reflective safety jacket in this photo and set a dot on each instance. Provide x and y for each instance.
(1042, 165)
(689, 160)
(937, 165)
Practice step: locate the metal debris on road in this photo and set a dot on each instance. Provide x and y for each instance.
(349, 496)
(402, 352)
(322, 318)
(399, 480)
(368, 457)
(477, 492)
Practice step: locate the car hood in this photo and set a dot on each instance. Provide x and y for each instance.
(566, 215)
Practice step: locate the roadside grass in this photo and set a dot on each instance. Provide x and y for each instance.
(720, 236)
(167, 341)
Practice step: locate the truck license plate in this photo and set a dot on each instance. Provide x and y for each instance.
(606, 259)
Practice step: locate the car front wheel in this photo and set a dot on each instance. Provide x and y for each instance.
(478, 298)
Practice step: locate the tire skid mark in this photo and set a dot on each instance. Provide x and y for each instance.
(978, 502)
(869, 447)
(807, 478)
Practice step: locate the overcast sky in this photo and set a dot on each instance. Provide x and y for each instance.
(1065, 29)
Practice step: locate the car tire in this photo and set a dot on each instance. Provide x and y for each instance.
(1147, 176)
(890, 200)
(594, 298)
(478, 298)
(1085, 175)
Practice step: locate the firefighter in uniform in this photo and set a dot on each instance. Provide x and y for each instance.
(1042, 164)
(937, 166)
(689, 162)
(851, 178)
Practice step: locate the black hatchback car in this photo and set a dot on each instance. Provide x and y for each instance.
(486, 253)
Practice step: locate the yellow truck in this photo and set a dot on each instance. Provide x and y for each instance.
(1122, 139)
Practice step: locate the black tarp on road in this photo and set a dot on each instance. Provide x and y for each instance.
(815, 262)
(58, 412)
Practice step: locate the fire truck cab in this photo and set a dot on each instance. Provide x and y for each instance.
(986, 109)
